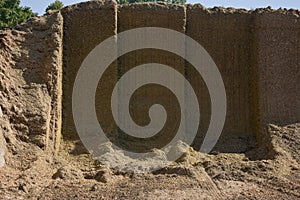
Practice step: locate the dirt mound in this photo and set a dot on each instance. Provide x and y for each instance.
(286, 140)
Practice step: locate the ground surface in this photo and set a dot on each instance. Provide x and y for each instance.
(215, 176)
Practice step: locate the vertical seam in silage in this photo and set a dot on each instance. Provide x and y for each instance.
(255, 80)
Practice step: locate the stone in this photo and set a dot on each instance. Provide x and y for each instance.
(68, 173)
(2, 149)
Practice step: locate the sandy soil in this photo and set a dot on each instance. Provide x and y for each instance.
(214, 176)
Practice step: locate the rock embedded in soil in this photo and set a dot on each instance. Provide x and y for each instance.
(68, 173)
(2, 149)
